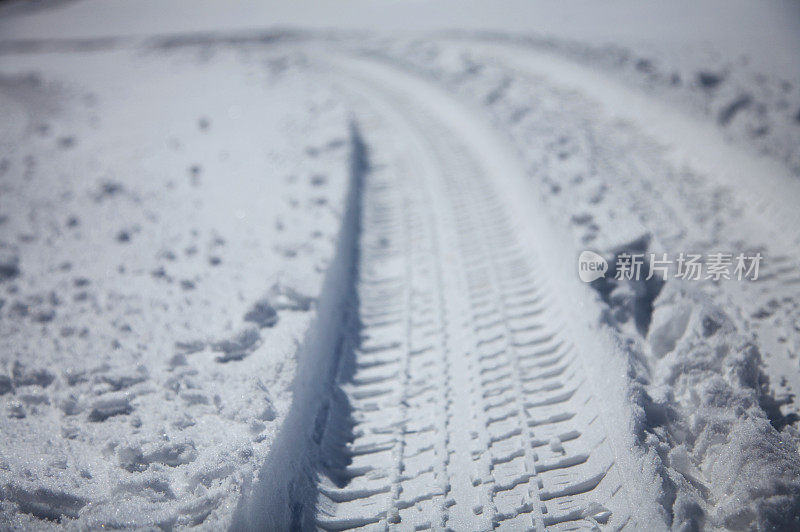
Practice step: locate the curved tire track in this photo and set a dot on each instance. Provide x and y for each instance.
(460, 403)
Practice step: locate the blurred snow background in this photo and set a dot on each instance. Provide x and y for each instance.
(172, 189)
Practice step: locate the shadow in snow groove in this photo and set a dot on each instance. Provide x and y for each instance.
(283, 495)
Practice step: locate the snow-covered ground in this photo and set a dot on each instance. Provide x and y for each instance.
(293, 266)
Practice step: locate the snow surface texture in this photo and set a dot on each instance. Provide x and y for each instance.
(162, 244)
(749, 105)
(288, 279)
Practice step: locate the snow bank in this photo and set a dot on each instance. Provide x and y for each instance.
(709, 413)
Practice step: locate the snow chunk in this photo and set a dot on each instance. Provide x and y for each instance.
(102, 409)
(668, 326)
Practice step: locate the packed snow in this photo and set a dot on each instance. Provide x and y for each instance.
(279, 270)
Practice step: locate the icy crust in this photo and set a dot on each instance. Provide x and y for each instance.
(707, 416)
(706, 410)
(161, 253)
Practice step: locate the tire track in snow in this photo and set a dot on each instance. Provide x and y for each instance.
(461, 404)
(686, 380)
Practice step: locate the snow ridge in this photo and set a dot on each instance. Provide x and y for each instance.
(709, 413)
(275, 501)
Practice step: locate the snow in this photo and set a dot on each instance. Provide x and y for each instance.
(701, 399)
(768, 35)
(264, 267)
(714, 397)
(152, 307)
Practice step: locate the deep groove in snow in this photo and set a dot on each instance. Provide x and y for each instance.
(278, 498)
